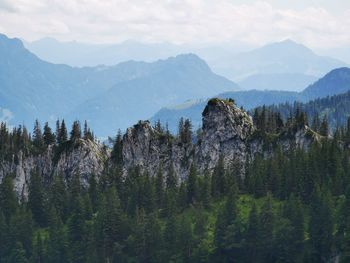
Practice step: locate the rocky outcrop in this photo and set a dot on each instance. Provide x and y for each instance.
(85, 157)
(147, 148)
(226, 130)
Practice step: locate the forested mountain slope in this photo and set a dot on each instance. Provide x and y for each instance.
(335, 109)
(335, 82)
(255, 189)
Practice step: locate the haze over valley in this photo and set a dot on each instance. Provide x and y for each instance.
(93, 82)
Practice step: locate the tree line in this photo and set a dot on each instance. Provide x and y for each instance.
(289, 207)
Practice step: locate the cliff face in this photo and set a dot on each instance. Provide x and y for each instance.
(226, 130)
(148, 148)
(86, 157)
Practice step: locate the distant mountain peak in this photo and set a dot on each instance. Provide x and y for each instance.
(288, 45)
(7, 42)
(188, 60)
(343, 71)
(187, 57)
(288, 41)
(335, 82)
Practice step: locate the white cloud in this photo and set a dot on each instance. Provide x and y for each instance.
(177, 21)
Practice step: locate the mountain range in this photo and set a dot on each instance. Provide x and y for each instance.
(114, 97)
(284, 65)
(336, 81)
(32, 88)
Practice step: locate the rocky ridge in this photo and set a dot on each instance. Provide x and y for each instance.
(86, 158)
(227, 132)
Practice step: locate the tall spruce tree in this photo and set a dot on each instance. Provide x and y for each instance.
(252, 235)
(218, 179)
(192, 185)
(265, 232)
(75, 133)
(62, 137)
(38, 140)
(321, 227)
(48, 136)
(36, 199)
(8, 199)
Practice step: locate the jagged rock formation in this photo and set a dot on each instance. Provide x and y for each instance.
(227, 131)
(85, 157)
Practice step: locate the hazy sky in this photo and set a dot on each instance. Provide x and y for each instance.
(318, 24)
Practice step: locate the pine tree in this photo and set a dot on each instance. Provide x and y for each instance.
(8, 200)
(265, 232)
(136, 242)
(171, 198)
(343, 230)
(192, 185)
(87, 134)
(180, 128)
(93, 192)
(182, 196)
(38, 140)
(218, 178)
(57, 240)
(252, 235)
(110, 223)
(147, 195)
(36, 199)
(48, 136)
(153, 239)
(170, 236)
(294, 213)
(226, 218)
(171, 179)
(21, 228)
(58, 197)
(117, 151)
(186, 136)
(38, 250)
(62, 137)
(205, 189)
(77, 233)
(58, 131)
(185, 239)
(321, 227)
(75, 134)
(5, 237)
(159, 187)
(282, 243)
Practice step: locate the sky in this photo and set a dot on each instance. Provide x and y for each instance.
(317, 24)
